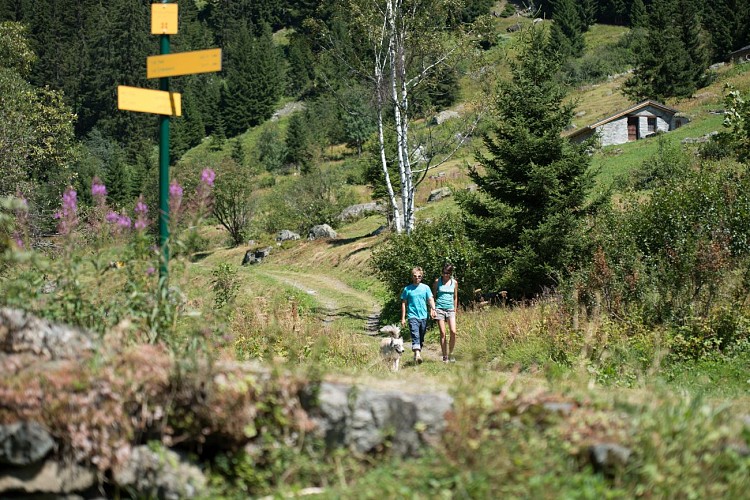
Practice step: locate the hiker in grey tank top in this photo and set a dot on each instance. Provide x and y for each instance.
(445, 289)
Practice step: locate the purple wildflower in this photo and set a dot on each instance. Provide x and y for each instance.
(175, 199)
(124, 221)
(208, 176)
(98, 189)
(121, 222)
(150, 271)
(67, 215)
(175, 190)
(141, 209)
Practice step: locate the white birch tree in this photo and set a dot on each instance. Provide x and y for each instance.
(408, 40)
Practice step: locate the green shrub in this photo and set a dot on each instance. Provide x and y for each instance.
(303, 202)
(670, 254)
(430, 246)
(225, 284)
(669, 163)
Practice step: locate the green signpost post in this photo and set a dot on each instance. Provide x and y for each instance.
(164, 166)
(164, 17)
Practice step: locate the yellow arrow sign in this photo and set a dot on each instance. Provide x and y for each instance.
(184, 63)
(163, 18)
(149, 101)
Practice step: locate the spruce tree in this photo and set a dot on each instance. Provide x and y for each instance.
(567, 33)
(638, 16)
(664, 64)
(301, 72)
(728, 24)
(118, 44)
(254, 80)
(687, 19)
(298, 147)
(587, 13)
(532, 183)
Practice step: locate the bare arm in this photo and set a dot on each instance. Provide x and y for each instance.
(403, 312)
(455, 295)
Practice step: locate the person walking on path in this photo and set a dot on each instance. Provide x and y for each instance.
(445, 289)
(415, 299)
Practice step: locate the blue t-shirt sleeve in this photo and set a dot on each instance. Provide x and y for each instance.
(403, 294)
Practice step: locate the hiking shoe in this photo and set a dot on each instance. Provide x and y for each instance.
(418, 358)
(445, 359)
(451, 359)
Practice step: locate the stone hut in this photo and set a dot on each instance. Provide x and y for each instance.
(637, 122)
(740, 55)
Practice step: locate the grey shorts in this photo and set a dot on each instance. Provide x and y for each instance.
(444, 314)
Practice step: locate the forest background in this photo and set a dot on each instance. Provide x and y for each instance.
(619, 268)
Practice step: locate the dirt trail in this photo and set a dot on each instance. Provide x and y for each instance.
(336, 298)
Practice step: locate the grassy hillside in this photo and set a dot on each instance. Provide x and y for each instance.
(538, 385)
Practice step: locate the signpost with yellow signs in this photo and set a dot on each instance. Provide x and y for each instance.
(164, 20)
(185, 63)
(149, 101)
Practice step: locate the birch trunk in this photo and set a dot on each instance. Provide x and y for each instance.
(381, 142)
(392, 7)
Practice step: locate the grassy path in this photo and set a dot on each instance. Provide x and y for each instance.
(337, 301)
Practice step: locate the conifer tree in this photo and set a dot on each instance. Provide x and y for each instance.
(532, 183)
(638, 16)
(667, 64)
(301, 72)
(58, 30)
(587, 13)
(118, 45)
(254, 80)
(298, 143)
(728, 24)
(613, 11)
(188, 130)
(688, 20)
(566, 33)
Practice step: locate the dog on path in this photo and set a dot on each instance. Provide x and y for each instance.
(391, 348)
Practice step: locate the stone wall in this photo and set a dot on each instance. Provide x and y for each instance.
(75, 424)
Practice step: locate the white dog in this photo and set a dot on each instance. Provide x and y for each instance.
(392, 348)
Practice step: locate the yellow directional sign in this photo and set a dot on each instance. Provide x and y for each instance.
(163, 18)
(184, 63)
(149, 101)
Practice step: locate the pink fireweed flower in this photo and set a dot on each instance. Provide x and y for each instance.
(120, 222)
(67, 215)
(150, 271)
(175, 190)
(208, 176)
(98, 190)
(140, 207)
(124, 221)
(175, 199)
(141, 211)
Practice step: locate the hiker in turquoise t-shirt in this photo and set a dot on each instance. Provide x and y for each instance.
(415, 298)
(446, 305)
